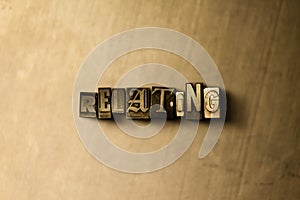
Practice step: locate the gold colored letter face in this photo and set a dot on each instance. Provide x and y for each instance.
(193, 101)
(138, 103)
(211, 103)
(104, 109)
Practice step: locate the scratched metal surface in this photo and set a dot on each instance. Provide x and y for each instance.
(255, 44)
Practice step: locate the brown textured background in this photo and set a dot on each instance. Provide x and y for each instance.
(256, 47)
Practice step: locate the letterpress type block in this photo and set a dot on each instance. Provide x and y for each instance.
(104, 106)
(163, 102)
(138, 103)
(194, 101)
(88, 104)
(179, 104)
(211, 102)
(118, 100)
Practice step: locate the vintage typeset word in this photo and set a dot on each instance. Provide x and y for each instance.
(196, 103)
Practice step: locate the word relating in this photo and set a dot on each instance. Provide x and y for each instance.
(196, 103)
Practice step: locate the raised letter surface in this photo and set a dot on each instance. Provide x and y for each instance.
(88, 104)
(211, 102)
(118, 101)
(193, 101)
(162, 102)
(179, 104)
(138, 103)
(104, 109)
